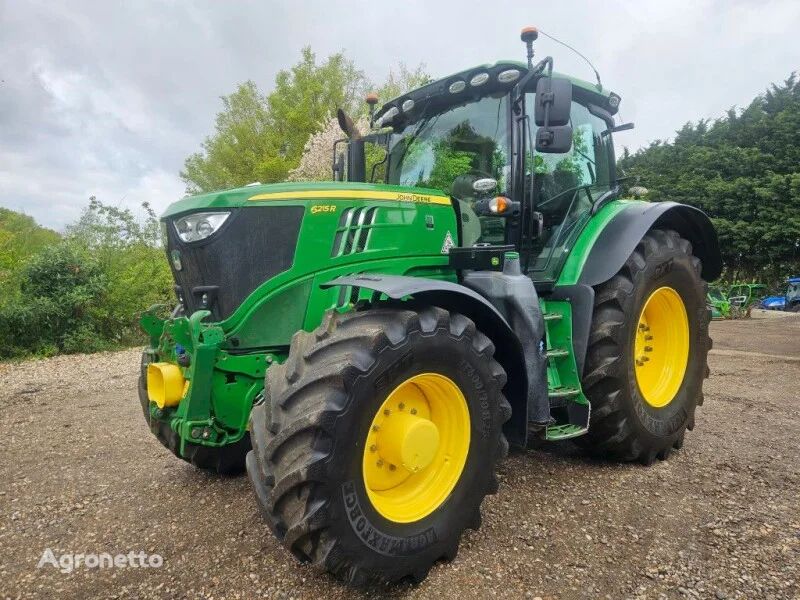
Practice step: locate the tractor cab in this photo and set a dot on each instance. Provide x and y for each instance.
(789, 301)
(515, 180)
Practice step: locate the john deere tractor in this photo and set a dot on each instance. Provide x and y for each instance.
(369, 347)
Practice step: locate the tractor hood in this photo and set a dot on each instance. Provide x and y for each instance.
(224, 245)
(774, 302)
(239, 197)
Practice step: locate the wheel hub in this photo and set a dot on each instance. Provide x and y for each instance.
(408, 440)
(661, 347)
(416, 447)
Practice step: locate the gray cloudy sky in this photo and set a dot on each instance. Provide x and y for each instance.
(108, 98)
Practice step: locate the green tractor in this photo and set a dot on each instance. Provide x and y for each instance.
(718, 303)
(370, 350)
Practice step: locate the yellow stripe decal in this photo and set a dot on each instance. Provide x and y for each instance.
(354, 195)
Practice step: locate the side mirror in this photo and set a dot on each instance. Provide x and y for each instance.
(553, 101)
(551, 113)
(554, 140)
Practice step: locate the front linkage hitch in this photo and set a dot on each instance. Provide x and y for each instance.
(186, 354)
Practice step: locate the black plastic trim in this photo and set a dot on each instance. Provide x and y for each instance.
(620, 237)
(455, 297)
(581, 297)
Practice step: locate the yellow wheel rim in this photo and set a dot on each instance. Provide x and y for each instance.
(661, 349)
(416, 447)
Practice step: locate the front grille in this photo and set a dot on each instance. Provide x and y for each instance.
(254, 245)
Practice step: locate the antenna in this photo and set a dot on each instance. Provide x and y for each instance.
(588, 62)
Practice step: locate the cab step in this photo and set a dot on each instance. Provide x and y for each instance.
(552, 316)
(564, 392)
(557, 353)
(560, 397)
(564, 432)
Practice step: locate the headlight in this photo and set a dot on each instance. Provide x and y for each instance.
(198, 226)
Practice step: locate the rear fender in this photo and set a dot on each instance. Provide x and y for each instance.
(617, 241)
(458, 298)
(619, 238)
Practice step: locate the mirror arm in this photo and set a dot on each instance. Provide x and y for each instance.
(519, 89)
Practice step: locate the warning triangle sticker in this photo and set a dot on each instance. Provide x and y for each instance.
(448, 243)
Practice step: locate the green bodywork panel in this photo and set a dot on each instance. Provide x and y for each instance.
(718, 303)
(585, 241)
(228, 359)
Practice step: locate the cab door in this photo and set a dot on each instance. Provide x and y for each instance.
(566, 186)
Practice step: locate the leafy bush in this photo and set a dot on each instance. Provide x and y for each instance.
(85, 292)
(744, 171)
(130, 255)
(61, 288)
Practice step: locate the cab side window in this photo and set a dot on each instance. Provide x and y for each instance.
(566, 185)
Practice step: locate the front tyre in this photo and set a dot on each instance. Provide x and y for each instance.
(647, 352)
(378, 441)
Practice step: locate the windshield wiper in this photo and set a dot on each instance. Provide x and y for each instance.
(417, 131)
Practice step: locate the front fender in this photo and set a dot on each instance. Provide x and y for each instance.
(458, 298)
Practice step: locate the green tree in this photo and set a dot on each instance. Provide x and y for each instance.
(261, 137)
(743, 170)
(60, 292)
(20, 239)
(240, 151)
(128, 252)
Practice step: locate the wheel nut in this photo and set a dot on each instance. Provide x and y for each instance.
(413, 411)
(645, 358)
(373, 448)
(375, 428)
(401, 406)
(392, 467)
(387, 412)
(648, 348)
(379, 463)
(648, 338)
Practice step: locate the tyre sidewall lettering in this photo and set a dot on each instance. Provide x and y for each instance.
(675, 272)
(419, 353)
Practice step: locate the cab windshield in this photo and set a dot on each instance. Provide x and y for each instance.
(449, 151)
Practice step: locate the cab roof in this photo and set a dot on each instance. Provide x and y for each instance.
(440, 88)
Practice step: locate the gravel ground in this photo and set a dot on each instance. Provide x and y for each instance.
(82, 474)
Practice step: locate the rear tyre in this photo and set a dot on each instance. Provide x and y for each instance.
(647, 352)
(378, 441)
(225, 460)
